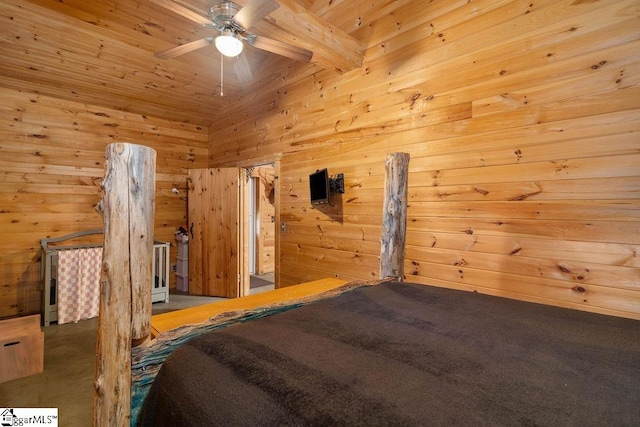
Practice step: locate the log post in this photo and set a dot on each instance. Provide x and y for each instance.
(394, 216)
(127, 208)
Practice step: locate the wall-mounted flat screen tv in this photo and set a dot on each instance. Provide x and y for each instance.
(319, 187)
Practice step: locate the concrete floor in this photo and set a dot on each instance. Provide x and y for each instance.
(69, 359)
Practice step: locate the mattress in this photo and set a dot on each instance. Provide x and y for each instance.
(405, 354)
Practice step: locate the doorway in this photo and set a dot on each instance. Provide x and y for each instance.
(261, 228)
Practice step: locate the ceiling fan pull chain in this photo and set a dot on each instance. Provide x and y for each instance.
(221, 75)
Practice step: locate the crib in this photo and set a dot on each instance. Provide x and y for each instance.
(51, 248)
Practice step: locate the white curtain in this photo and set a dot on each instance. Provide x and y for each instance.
(78, 284)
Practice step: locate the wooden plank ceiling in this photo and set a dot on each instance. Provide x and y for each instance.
(101, 52)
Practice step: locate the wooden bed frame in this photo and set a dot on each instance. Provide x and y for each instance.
(163, 323)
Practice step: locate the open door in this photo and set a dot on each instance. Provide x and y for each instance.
(217, 232)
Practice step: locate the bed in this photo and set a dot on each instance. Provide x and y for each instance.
(403, 354)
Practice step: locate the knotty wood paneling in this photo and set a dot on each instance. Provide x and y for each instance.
(52, 155)
(522, 124)
(521, 119)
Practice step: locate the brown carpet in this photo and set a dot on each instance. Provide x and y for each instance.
(402, 354)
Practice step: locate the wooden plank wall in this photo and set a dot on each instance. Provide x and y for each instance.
(522, 123)
(52, 155)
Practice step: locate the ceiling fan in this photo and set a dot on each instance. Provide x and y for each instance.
(232, 23)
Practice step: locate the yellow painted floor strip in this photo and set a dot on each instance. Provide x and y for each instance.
(190, 316)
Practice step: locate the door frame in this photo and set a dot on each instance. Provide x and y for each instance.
(245, 203)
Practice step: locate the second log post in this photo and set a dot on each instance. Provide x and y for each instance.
(394, 216)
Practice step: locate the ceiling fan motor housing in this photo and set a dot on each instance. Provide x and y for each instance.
(222, 15)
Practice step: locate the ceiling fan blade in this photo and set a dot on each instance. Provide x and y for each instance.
(280, 48)
(242, 68)
(183, 11)
(254, 11)
(184, 48)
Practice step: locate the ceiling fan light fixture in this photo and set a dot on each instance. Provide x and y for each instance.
(228, 44)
